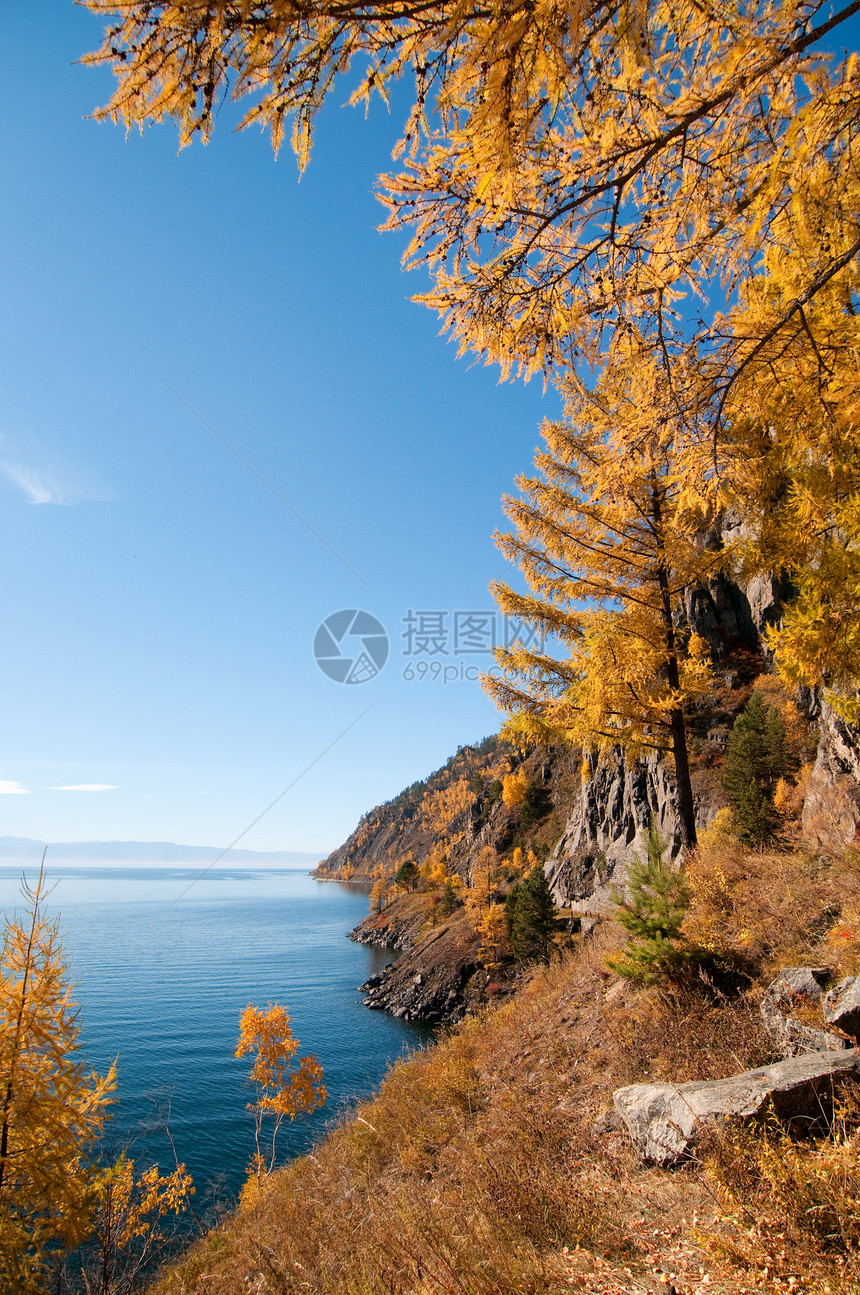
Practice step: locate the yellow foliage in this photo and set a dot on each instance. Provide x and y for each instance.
(515, 789)
(377, 895)
(439, 808)
(479, 896)
(129, 1219)
(759, 905)
(792, 414)
(51, 1110)
(583, 167)
(438, 870)
(285, 1087)
(608, 536)
(493, 931)
(574, 177)
(721, 832)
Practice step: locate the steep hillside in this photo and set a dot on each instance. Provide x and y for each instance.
(584, 817)
(461, 808)
(616, 1112)
(496, 1163)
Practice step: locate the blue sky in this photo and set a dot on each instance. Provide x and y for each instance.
(160, 603)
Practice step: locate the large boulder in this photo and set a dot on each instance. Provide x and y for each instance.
(796, 987)
(665, 1120)
(842, 1006)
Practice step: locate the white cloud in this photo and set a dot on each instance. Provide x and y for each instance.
(12, 789)
(86, 786)
(39, 487)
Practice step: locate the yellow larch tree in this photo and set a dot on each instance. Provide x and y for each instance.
(566, 169)
(51, 1110)
(479, 896)
(515, 787)
(438, 868)
(792, 458)
(492, 928)
(377, 895)
(609, 540)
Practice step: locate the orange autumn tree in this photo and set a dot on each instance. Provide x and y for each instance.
(136, 1221)
(51, 1110)
(285, 1086)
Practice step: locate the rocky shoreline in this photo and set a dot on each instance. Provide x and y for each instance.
(438, 979)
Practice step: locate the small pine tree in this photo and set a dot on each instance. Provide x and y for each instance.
(530, 917)
(407, 874)
(757, 757)
(448, 901)
(652, 915)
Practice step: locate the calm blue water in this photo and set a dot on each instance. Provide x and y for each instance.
(161, 989)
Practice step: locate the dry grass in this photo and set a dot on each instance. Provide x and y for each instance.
(767, 909)
(478, 1169)
(790, 1208)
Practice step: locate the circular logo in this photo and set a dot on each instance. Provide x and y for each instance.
(351, 646)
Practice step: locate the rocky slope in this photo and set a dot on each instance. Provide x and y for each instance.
(457, 810)
(439, 977)
(582, 828)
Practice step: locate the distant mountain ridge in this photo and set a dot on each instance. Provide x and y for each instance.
(21, 849)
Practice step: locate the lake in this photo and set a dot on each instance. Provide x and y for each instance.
(161, 982)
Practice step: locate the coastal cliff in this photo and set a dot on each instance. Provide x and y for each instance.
(582, 819)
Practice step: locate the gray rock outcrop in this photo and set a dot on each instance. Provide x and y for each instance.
(664, 1121)
(616, 805)
(793, 988)
(831, 806)
(842, 1006)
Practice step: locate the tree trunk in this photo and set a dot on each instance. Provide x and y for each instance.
(686, 805)
(684, 788)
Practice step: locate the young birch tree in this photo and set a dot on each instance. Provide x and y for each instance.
(285, 1086)
(609, 539)
(51, 1110)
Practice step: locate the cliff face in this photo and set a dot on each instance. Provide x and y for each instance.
(831, 808)
(621, 797)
